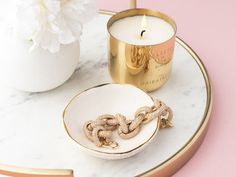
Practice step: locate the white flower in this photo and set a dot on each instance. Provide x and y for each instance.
(50, 23)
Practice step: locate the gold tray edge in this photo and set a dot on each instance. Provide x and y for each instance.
(166, 168)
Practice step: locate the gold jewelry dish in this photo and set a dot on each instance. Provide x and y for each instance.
(170, 165)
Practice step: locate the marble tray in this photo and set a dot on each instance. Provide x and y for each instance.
(32, 133)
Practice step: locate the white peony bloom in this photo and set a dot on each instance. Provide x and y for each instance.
(50, 23)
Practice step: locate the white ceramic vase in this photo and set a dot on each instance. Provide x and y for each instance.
(37, 70)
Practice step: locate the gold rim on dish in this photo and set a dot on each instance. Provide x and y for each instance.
(168, 167)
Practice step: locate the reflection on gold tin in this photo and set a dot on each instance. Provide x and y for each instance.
(137, 59)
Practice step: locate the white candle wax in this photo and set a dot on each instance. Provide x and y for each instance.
(129, 30)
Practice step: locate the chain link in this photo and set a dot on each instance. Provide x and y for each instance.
(100, 131)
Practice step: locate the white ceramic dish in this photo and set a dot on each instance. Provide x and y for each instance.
(111, 99)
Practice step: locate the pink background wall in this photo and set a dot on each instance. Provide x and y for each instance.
(209, 26)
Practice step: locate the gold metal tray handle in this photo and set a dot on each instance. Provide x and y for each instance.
(31, 172)
(133, 4)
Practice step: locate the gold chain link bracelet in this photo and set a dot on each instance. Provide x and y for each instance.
(100, 131)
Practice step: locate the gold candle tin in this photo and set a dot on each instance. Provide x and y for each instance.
(145, 66)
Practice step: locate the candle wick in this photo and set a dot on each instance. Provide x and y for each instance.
(143, 31)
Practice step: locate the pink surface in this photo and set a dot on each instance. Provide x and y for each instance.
(209, 27)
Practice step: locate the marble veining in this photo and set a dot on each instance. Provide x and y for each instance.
(32, 132)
